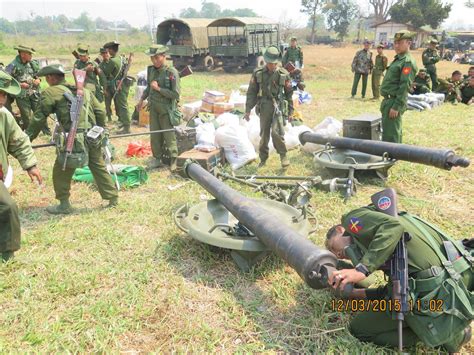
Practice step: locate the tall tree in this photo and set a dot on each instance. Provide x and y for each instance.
(339, 15)
(420, 12)
(210, 10)
(469, 3)
(311, 8)
(381, 8)
(189, 13)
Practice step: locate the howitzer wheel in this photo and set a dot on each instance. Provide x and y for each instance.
(211, 223)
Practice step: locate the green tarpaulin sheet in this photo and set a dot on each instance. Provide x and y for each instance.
(128, 175)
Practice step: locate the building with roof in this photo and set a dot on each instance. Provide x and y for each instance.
(385, 32)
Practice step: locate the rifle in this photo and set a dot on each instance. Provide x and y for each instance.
(386, 202)
(75, 111)
(124, 75)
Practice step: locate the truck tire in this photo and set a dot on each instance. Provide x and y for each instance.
(208, 63)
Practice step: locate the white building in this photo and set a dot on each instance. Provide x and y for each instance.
(385, 31)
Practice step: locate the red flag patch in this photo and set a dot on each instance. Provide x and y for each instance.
(406, 70)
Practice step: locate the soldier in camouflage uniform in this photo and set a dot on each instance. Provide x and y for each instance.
(25, 69)
(467, 91)
(451, 87)
(107, 98)
(162, 92)
(422, 83)
(114, 71)
(271, 92)
(95, 79)
(13, 142)
(430, 57)
(439, 269)
(362, 65)
(395, 87)
(54, 100)
(293, 54)
(380, 66)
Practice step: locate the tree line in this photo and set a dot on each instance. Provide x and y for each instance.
(339, 14)
(52, 24)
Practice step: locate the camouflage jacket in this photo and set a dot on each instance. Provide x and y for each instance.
(430, 57)
(292, 55)
(24, 73)
(362, 62)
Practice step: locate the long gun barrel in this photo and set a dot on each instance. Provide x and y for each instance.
(440, 158)
(313, 264)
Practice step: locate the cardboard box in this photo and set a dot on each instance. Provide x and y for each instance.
(212, 96)
(208, 160)
(221, 107)
(144, 118)
(207, 106)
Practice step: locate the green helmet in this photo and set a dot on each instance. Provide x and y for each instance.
(21, 48)
(156, 49)
(8, 84)
(271, 55)
(52, 69)
(82, 49)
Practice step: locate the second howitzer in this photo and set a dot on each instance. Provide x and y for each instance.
(313, 264)
(440, 158)
(76, 108)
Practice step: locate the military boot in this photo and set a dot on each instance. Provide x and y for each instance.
(173, 165)
(154, 163)
(113, 202)
(6, 256)
(284, 161)
(124, 130)
(64, 207)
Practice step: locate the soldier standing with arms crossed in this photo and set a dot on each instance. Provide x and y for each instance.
(114, 72)
(25, 69)
(361, 67)
(15, 142)
(380, 65)
(430, 57)
(271, 92)
(55, 100)
(395, 87)
(162, 91)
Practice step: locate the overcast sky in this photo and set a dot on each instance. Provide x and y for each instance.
(135, 11)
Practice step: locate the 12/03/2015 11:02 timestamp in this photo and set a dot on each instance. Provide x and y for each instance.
(383, 305)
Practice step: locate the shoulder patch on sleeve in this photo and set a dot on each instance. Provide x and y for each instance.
(355, 225)
(406, 70)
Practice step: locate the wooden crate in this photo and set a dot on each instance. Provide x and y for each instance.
(208, 160)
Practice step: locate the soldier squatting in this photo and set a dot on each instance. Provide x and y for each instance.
(438, 266)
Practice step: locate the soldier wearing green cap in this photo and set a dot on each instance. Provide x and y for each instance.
(395, 87)
(270, 91)
(362, 65)
(24, 69)
(440, 269)
(422, 83)
(293, 54)
(14, 142)
(163, 93)
(54, 100)
(95, 79)
(104, 53)
(114, 71)
(381, 62)
(430, 57)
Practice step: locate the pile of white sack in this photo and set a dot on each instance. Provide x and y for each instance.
(240, 139)
(425, 101)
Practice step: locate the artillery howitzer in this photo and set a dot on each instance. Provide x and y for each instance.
(440, 158)
(313, 264)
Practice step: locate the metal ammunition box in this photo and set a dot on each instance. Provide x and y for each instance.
(363, 127)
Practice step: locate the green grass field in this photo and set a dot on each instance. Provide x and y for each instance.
(128, 280)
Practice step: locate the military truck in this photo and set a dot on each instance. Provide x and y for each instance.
(187, 41)
(237, 43)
